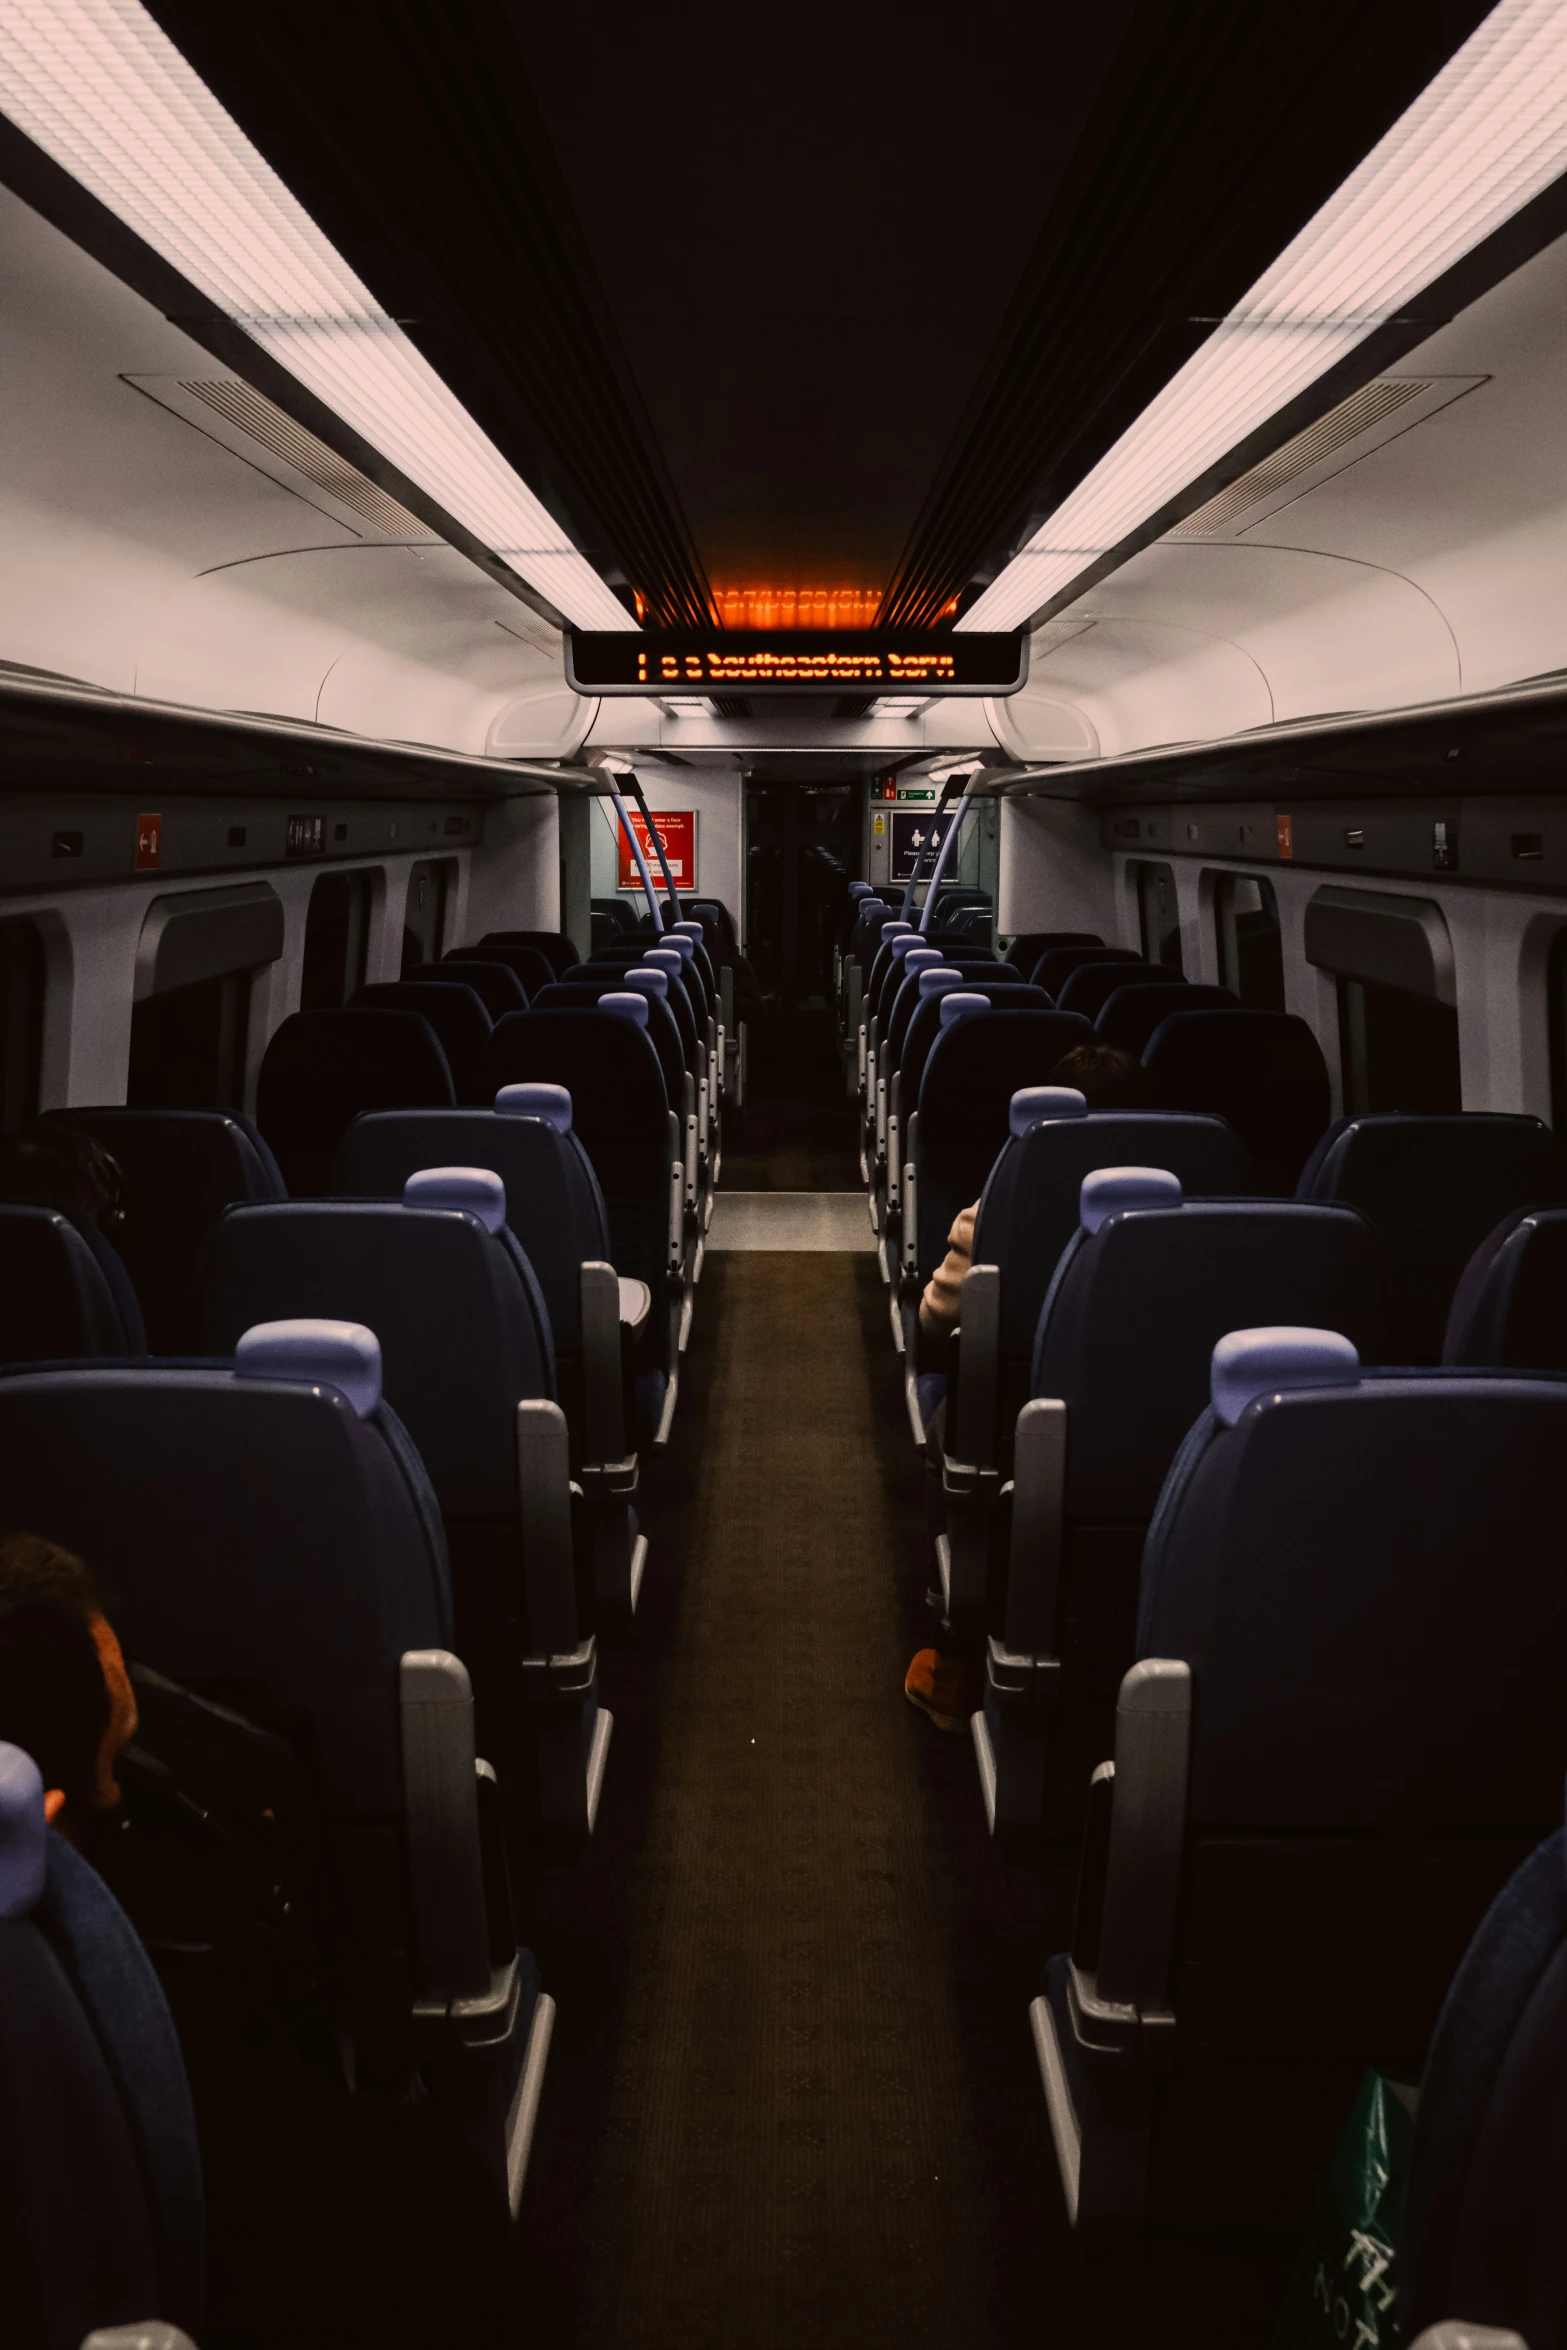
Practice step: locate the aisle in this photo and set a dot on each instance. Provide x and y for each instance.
(789, 2155)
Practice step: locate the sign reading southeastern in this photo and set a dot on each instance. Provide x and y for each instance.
(676, 828)
(796, 661)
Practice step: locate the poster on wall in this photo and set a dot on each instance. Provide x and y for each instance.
(916, 837)
(676, 828)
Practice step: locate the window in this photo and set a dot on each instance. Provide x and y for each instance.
(21, 1022)
(424, 919)
(188, 1046)
(1157, 915)
(1251, 952)
(337, 931)
(1399, 1050)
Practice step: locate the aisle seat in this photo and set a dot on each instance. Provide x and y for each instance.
(270, 1523)
(1510, 1306)
(982, 1054)
(1263, 1071)
(60, 1298)
(1342, 1733)
(468, 1366)
(457, 1015)
(1057, 964)
(1089, 988)
(1435, 1187)
(898, 1092)
(102, 2214)
(1121, 1362)
(685, 1091)
(1129, 1015)
(1482, 2225)
(495, 984)
(602, 1326)
(1029, 948)
(321, 1069)
(622, 1116)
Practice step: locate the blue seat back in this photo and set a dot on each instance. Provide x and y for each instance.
(55, 1301)
(1263, 1071)
(1482, 2219)
(182, 1168)
(321, 1069)
(1029, 947)
(1056, 965)
(532, 968)
(663, 1029)
(1510, 1307)
(1127, 1332)
(1434, 1187)
(681, 1001)
(1028, 1210)
(620, 1112)
(462, 1323)
(1089, 988)
(553, 1202)
(554, 945)
(456, 1014)
(495, 984)
(969, 1076)
(1129, 1015)
(925, 1026)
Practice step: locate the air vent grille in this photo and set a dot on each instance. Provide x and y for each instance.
(1370, 405)
(265, 422)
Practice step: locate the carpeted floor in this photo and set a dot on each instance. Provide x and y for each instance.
(790, 2150)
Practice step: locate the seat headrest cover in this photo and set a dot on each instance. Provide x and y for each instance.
(647, 980)
(904, 944)
(1249, 1363)
(921, 959)
(893, 929)
(938, 979)
(1111, 1191)
(344, 1355)
(860, 889)
(677, 942)
(475, 1189)
(24, 1833)
(958, 1006)
(1032, 1104)
(669, 960)
(621, 1006)
(551, 1103)
(691, 930)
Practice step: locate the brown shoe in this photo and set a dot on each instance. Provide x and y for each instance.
(938, 1685)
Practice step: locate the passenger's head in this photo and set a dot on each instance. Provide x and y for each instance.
(45, 1165)
(65, 1696)
(1106, 1077)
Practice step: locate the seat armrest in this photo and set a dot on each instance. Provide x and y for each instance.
(974, 1436)
(677, 1210)
(910, 1201)
(1038, 1514)
(1153, 1719)
(544, 1517)
(604, 1418)
(441, 1812)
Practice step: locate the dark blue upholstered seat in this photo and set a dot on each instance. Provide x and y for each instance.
(554, 945)
(1434, 1188)
(1130, 1014)
(1089, 988)
(1056, 965)
(56, 1298)
(532, 967)
(1510, 1307)
(457, 1015)
(1263, 1071)
(321, 1069)
(495, 984)
(1029, 947)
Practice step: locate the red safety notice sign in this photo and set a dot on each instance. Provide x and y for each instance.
(676, 828)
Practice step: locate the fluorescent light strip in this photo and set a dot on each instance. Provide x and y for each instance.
(1487, 135)
(101, 88)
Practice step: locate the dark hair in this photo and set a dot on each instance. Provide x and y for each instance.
(35, 1570)
(50, 1165)
(1108, 1078)
(54, 1700)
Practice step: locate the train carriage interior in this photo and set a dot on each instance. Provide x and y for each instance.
(783, 1176)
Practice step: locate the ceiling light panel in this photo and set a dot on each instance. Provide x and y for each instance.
(103, 91)
(1486, 135)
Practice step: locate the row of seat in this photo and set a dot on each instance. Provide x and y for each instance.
(405, 1415)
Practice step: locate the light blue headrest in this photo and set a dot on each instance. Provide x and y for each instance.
(894, 929)
(859, 889)
(921, 958)
(482, 1193)
(24, 1833)
(647, 979)
(961, 1006)
(682, 944)
(625, 1005)
(691, 930)
(938, 978)
(1249, 1363)
(330, 1354)
(1111, 1191)
(904, 944)
(665, 959)
(551, 1103)
(1031, 1105)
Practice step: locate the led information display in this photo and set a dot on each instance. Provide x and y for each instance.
(796, 661)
